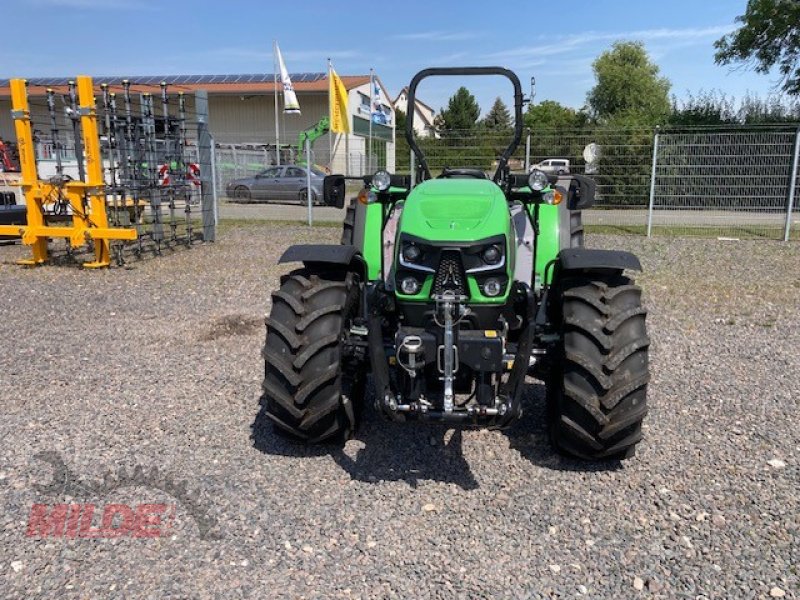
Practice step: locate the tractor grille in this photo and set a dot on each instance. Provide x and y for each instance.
(450, 275)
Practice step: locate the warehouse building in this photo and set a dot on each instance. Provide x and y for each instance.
(241, 117)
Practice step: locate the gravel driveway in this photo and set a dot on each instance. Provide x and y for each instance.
(158, 366)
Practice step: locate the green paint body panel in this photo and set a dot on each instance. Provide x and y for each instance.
(455, 210)
(548, 244)
(460, 211)
(371, 251)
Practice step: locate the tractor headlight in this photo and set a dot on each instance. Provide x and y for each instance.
(382, 180)
(538, 180)
(411, 253)
(492, 287)
(409, 286)
(492, 255)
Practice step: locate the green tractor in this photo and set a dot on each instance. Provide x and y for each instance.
(450, 291)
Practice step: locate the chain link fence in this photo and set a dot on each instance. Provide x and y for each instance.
(721, 182)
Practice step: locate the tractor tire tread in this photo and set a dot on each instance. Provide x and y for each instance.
(293, 302)
(597, 390)
(291, 338)
(304, 375)
(303, 323)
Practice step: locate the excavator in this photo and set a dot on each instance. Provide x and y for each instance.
(311, 134)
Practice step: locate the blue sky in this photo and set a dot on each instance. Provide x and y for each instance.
(555, 42)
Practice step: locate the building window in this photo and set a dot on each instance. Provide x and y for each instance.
(364, 107)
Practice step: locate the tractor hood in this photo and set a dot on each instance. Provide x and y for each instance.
(457, 210)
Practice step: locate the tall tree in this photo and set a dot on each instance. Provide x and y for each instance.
(399, 121)
(498, 118)
(706, 108)
(628, 84)
(769, 36)
(550, 114)
(462, 111)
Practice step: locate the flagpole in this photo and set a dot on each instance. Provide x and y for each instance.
(371, 100)
(277, 119)
(330, 133)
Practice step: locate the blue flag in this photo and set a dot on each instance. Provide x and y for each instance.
(378, 114)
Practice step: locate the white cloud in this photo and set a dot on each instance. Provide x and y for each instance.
(565, 44)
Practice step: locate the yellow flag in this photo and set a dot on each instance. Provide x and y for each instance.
(337, 103)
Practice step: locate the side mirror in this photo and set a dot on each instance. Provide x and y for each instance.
(333, 190)
(581, 192)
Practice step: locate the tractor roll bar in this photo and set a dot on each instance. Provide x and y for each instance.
(437, 71)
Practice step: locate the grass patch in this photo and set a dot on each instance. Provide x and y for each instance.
(745, 233)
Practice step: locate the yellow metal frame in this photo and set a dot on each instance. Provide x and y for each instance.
(85, 226)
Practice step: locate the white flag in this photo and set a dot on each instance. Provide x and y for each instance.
(290, 104)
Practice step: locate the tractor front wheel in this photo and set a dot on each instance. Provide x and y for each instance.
(312, 388)
(597, 388)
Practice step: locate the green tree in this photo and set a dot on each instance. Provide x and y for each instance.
(462, 111)
(399, 121)
(773, 109)
(769, 36)
(550, 114)
(498, 118)
(707, 108)
(628, 83)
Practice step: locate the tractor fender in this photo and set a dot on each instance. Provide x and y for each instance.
(576, 259)
(343, 255)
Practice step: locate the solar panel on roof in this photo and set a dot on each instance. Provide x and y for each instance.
(304, 77)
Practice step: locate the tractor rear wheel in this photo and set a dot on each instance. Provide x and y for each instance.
(312, 388)
(597, 388)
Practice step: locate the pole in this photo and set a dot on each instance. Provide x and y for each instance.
(94, 171)
(309, 192)
(347, 153)
(277, 119)
(21, 113)
(792, 186)
(205, 147)
(371, 99)
(330, 117)
(528, 150)
(214, 180)
(652, 185)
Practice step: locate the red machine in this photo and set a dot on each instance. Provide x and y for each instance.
(7, 160)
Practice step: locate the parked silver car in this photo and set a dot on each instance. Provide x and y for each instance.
(560, 166)
(286, 183)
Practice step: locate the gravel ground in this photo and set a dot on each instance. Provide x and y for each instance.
(159, 366)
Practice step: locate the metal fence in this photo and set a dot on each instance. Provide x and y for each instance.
(735, 181)
(156, 160)
(725, 182)
(344, 153)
